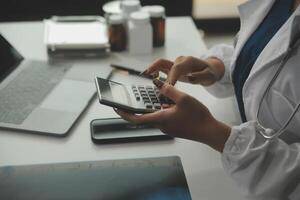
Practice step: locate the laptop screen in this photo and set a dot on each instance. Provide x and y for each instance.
(9, 58)
(130, 179)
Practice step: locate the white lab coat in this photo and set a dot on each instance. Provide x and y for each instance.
(264, 169)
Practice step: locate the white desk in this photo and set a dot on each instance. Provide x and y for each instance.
(205, 176)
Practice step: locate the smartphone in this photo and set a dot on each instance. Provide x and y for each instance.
(117, 130)
(138, 99)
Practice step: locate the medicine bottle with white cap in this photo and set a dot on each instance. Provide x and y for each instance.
(140, 33)
(129, 6)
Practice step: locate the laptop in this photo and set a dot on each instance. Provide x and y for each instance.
(38, 96)
(161, 178)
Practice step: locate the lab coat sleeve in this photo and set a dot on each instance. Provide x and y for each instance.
(264, 169)
(223, 88)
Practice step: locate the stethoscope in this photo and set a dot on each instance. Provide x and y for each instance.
(268, 133)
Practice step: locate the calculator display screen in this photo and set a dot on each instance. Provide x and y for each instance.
(114, 92)
(119, 93)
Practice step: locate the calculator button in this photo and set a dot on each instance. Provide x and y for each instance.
(133, 87)
(154, 100)
(163, 99)
(152, 96)
(138, 98)
(157, 106)
(150, 90)
(148, 105)
(146, 100)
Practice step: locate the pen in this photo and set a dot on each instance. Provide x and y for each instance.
(132, 71)
(143, 73)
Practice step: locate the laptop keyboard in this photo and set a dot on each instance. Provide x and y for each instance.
(28, 89)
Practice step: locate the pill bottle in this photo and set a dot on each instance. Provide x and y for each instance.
(117, 35)
(158, 22)
(129, 6)
(140, 33)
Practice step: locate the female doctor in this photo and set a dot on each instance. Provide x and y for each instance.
(262, 69)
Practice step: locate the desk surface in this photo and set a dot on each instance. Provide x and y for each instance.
(202, 165)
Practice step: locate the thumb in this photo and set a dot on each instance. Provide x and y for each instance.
(168, 90)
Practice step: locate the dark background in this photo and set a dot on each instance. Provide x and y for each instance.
(25, 10)
(16, 10)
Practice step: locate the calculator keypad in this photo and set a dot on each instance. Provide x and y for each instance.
(150, 97)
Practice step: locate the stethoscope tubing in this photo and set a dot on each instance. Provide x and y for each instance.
(267, 133)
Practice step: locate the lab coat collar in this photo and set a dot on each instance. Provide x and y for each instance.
(279, 44)
(252, 13)
(273, 53)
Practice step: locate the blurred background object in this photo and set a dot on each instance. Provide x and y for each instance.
(217, 15)
(218, 9)
(211, 15)
(23, 10)
(217, 18)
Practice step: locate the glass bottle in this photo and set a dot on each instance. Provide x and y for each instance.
(158, 22)
(117, 35)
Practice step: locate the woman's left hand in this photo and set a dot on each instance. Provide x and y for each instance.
(187, 118)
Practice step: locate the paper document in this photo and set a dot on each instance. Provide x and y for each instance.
(75, 35)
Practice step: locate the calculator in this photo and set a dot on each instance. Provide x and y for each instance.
(138, 99)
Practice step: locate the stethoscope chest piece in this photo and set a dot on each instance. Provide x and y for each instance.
(267, 133)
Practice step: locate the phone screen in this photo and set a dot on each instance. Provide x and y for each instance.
(9, 58)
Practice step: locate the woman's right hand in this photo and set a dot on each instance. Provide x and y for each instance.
(189, 69)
